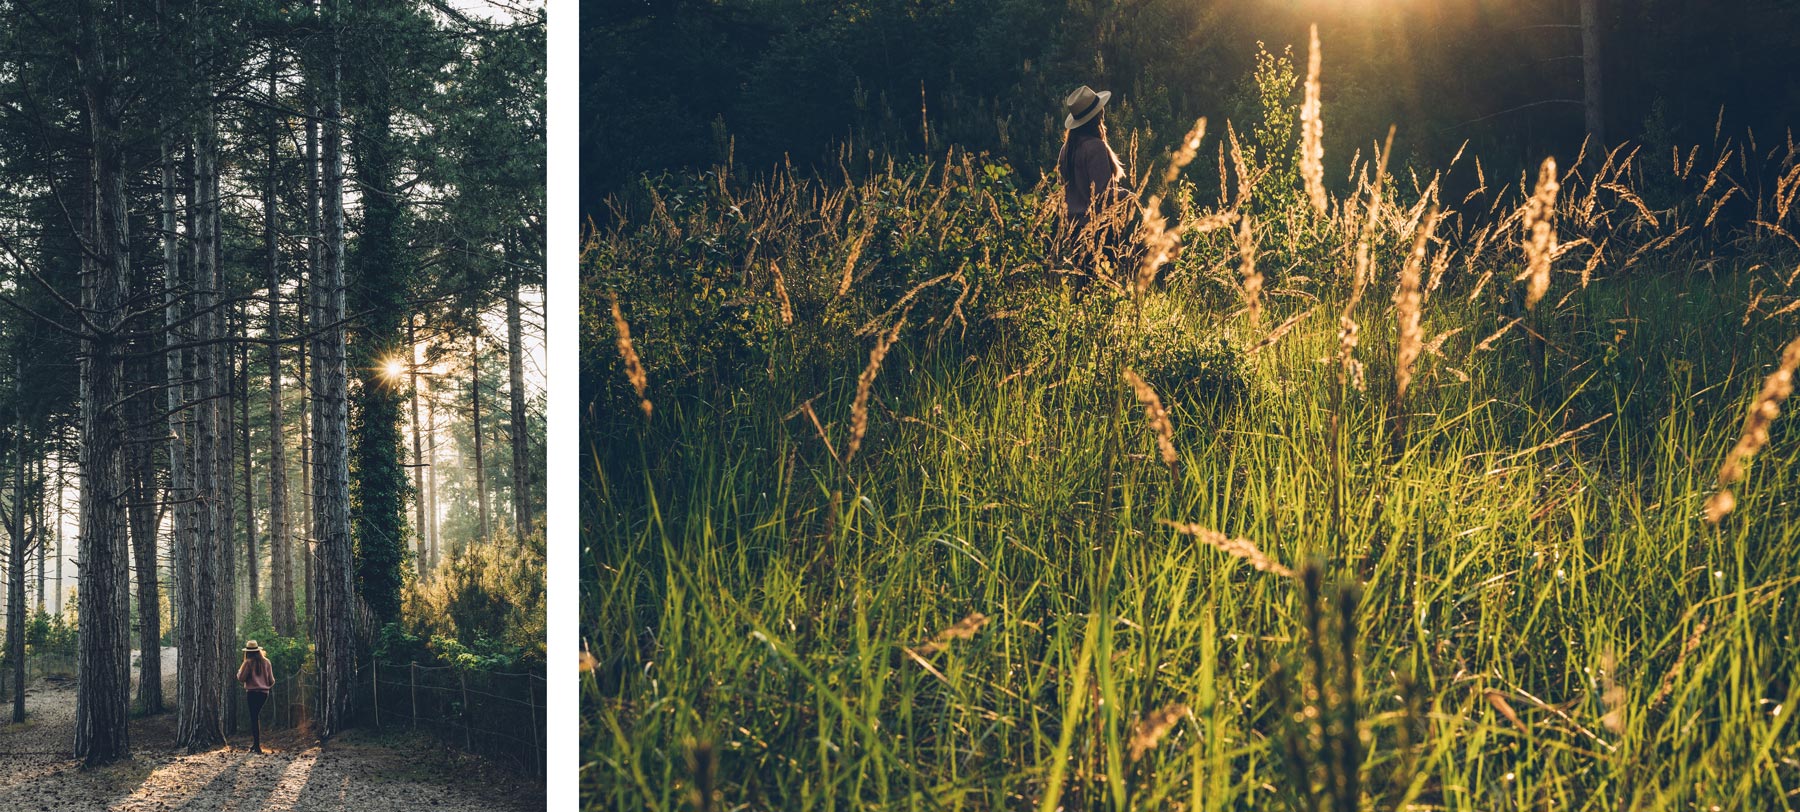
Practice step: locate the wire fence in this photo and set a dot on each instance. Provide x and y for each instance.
(37, 666)
(497, 714)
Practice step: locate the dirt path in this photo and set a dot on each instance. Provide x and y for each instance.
(355, 772)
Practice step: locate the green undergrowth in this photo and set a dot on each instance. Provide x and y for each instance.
(1534, 612)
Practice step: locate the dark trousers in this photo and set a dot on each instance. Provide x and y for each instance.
(256, 700)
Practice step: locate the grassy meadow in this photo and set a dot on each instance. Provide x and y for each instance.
(888, 524)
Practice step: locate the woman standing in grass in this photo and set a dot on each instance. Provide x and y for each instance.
(1089, 168)
(258, 676)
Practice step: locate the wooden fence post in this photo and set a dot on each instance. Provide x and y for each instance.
(468, 741)
(375, 689)
(413, 678)
(537, 744)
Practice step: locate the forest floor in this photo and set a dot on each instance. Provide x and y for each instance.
(357, 771)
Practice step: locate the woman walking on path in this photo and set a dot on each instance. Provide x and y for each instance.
(1089, 168)
(258, 676)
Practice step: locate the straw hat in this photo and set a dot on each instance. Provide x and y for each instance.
(251, 646)
(1082, 105)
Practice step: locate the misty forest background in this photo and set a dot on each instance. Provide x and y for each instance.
(271, 307)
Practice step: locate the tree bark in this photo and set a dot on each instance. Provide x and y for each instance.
(201, 723)
(60, 474)
(38, 520)
(431, 481)
(103, 694)
(334, 622)
(225, 447)
(17, 551)
(1593, 97)
(481, 503)
(281, 559)
(521, 436)
(183, 513)
(419, 528)
(140, 473)
(243, 398)
(315, 260)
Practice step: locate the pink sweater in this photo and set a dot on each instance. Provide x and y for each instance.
(256, 675)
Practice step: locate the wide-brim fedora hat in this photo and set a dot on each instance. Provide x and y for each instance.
(251, 646)
(1082, 104)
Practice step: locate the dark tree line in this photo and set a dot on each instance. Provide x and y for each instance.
(243, 245)
(689, 84)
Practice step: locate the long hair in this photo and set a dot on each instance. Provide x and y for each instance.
(254, 655)
(1094, 128)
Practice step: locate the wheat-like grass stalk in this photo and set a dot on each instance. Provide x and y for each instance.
(1159, 242)
(634, 368)
(856, 248)
(1240, 548)
(781, 295)
(1246, 184)
(960, 630)
(1407, 306)
(904, 303)
(1158, 418)
(1488, 343)
(1540, 234)
(859, 408)
(1612, 695)
(1763, 412)
(1149, 731)
(1668, 681)
(1184, 155)
(1281, 330)
(1350, 370)
(1312, 131)
(1253, 279)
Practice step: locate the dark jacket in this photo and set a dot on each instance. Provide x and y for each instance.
(1090, 177)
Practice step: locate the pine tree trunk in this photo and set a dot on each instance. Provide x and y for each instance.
(481, 503)
(243, 399)
(103, 694)
(177, 361)
(419, 528)
(281, 559)
(140, 473)
(431, 482)
(521, 436)
(16, 552)
(38, 517)
(1593, 97)
(201, 725)
(334, 622)
(59, 537)
(226, 449)
(315, 239)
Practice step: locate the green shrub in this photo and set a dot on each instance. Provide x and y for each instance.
(286, 654)
(49, 634)
(482, 608)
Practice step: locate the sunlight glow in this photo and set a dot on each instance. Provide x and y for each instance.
(393, 368)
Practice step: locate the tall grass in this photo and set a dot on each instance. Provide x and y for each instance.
(1015, 599)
